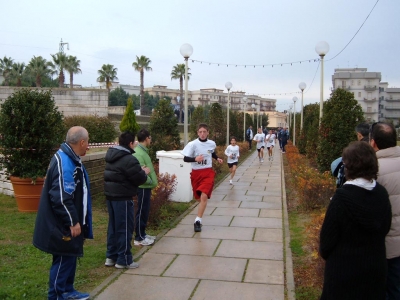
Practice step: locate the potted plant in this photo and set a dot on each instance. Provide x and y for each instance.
(31, 129)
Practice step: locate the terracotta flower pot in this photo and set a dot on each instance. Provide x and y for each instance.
(26, 193)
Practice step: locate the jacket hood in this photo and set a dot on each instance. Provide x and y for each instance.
(68, 150)
(116, 152)
(365, 207)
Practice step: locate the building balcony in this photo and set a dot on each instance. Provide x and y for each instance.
(392, 107)
(392, 100)
(369, 100)
(370, 111)
(392, 116)
(370, 88)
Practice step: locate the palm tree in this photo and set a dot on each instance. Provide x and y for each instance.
(178, 72)
(72, 68)
(141, 64)
(107, 74)
(5, 67)
(60, 62)
(39, 67)
(17, 71)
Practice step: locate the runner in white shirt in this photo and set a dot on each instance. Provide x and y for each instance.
(232, 151)
(200, 153)
(260, 138)
(270, 139)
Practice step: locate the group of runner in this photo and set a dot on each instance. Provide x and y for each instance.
(265, 140)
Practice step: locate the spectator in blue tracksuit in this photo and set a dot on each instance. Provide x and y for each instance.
(284, 138)
(122, 175)
(64, 218)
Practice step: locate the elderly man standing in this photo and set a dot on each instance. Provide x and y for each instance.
(383, 140)
(64, 218)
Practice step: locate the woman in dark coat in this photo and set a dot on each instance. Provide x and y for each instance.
(352, 238)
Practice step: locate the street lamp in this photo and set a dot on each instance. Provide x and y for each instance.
(322, 48)
(244, 118)
(186, 50)
(302, 86)
(294, 121)
(253, 106)
(228, 86)
(258, 115)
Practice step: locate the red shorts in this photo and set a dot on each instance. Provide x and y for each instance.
(202, 182)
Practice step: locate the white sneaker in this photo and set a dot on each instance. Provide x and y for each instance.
(269, 158)
(272, 158)
(230, 181)
(133, 265)
(109, 262)
(144, 242)
(262, 160)
(150, 237)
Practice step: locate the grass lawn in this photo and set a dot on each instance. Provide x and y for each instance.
(24, 270)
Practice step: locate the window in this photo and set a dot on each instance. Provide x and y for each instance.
(358, 82)
(343, 84)
(369, 109)
(359, 94)
(352, 82)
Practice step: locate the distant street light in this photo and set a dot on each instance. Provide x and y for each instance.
(294, 121)
(244, 118)
(322, 48)
(186, 50)
(302, 87)
(228, 86)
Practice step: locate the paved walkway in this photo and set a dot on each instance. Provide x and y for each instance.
(241, 253)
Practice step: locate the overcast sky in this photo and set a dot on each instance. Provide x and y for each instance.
(251, 32)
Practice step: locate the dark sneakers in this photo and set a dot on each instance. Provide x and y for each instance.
(197, 226)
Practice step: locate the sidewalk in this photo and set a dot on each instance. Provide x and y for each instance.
(242, 252)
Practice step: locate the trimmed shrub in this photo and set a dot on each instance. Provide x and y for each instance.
(128, 122)
(101, 129)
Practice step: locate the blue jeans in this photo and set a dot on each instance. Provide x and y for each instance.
(142, 213)
(393, 279)
(120, 231)
(62, 276)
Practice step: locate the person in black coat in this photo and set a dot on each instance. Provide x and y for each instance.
(122, 176)
(352, 238)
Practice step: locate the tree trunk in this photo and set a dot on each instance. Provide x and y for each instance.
(38, 81)
(71, 80)
(141, 91)
(61, 79)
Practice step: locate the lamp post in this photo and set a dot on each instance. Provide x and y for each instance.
(302, 87)
(258, 116)
(290, 117)
(186, 50)
(228, 86)
(322, 48)
(253, 106)
(244, 118)
(294, 121)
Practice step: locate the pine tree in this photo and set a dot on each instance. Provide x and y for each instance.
(163, 129)
(217, 124)
(197, 118)
(341, 115)
(128, 122)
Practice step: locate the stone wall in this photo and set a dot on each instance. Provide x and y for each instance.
(94, 164)
(72, 101)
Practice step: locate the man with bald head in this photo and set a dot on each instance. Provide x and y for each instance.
(383, 138)
(64, 218)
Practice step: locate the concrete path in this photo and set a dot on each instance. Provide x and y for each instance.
(241, 253)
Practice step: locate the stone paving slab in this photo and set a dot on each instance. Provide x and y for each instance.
(224, 203)
(208, 220)
(203, 267)
(265, 271)
(264, 204)
(226, 233)
(250, 249)
(240, 212)
(181, 230)
(257, 222)
(268, 235)
(244, 198)
(143, 287)
(213, 290)
(268, 213)
(152, 264)
(174, 245)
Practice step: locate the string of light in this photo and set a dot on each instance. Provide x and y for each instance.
(254, 66)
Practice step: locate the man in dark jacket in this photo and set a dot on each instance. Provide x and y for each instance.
(122, 175)
(64, 218)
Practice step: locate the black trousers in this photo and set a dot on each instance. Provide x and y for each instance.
(142, 213)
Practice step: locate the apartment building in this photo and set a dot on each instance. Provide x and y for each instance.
(213, 95)
(378, 101)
